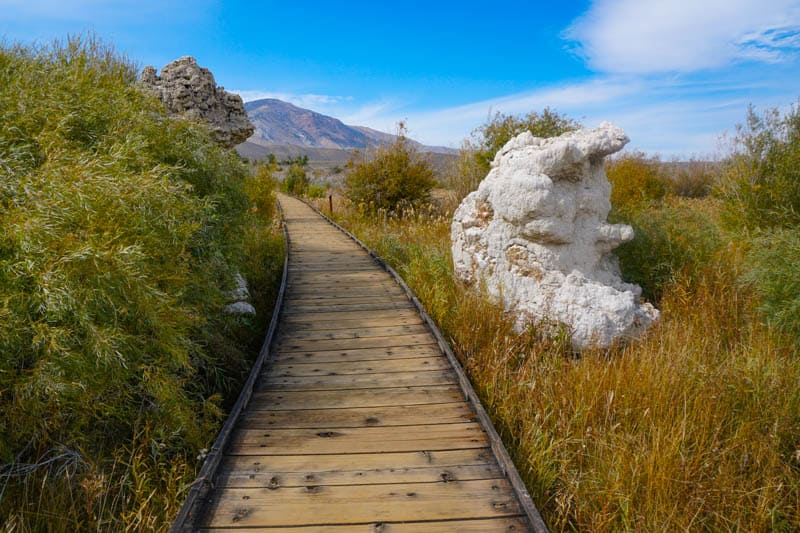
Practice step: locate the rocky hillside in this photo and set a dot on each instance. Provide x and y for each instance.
(281, 123)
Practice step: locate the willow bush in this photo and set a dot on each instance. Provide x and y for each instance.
(390, 178)
(120, 230)
(760, 190)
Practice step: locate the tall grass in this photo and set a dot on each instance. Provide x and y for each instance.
(120, 231)
(694, 427)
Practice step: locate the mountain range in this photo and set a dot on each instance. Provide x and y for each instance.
(282, 127)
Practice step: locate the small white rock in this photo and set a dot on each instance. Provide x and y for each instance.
(241, 291)
(240, 308)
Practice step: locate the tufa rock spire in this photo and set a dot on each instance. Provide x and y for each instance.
(536, 233)
(188, 89)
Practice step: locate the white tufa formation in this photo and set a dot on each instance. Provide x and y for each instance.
(239, 296)
(536, 233)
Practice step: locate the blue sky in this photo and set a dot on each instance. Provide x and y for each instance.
(675, 74)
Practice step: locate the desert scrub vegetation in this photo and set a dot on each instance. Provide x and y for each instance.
(695, 426)
(120, 231)
(390, 177)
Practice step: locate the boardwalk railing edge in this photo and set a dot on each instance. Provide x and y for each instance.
(192, 508)
(496, 443)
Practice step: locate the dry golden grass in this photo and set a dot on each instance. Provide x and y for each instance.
(694, 427)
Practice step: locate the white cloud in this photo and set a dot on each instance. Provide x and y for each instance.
(647, 36)
(308, 101)
(449, 126)
(373, 114)
(667, 116)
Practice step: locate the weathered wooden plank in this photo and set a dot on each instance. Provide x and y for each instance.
(358, 381)
(354, 259)
(444, 413)
(484, 525)
(299, 270)
(295, 301)
(358, 440)
(302, 254)
(352, 333)
(250, 476)
(312, 244)
(300, 345)
(325, 284)
(340, 255)
(289, 319)
(338, 277)
(312, 309)
(283, 400)
(334, 325)
(363, 354)
(354, 504)
(368, 461)
(332, 291)
(324, 293)
(295, 369)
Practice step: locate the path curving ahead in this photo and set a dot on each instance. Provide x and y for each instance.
(359, 421)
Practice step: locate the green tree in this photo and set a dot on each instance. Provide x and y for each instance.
(390, 176)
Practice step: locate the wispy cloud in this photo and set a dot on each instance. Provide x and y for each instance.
(670, 116)
(647, 36)
(449, 126)
(381, 115)
(312, 101)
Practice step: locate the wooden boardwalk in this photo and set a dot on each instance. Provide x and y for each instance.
(358, 421)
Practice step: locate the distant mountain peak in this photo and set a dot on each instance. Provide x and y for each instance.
(281, 123)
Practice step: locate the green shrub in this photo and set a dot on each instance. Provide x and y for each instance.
(315, 190)
(671, 242)
(761, 184)
(296, 180)
(760, 188)
(636, 181)
(694, 178)
(773, 262)
(390, 177)
(120, 230)
(260, 188)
